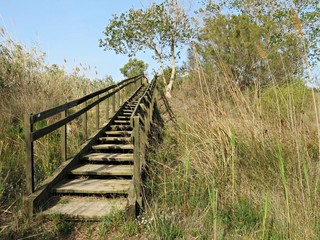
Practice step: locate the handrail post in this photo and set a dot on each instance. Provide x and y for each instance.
(113, 104)
(97, 115)
(29, 154)
(119, 98)
(85, 123)
(136, 156)
(64, 138)
(107, 109)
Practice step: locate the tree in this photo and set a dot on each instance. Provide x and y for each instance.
(284, 13)
(163, 28)
(250, 50)
(133, 68)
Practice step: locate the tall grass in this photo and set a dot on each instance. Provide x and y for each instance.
(260, 145)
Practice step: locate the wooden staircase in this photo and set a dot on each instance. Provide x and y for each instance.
(106, 174)
(100, 182)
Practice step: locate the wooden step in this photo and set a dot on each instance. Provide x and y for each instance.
(103, 170)
(120, 139)
(122, 127)
(123, 117)
(126, 113)
(113, 146)
(121, 157)
(122, 122)
(92, 208)
(93, 186)
(121, 133)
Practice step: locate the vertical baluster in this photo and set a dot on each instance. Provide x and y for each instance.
(97, 115)
(64, 138)
(113, 104)
(85, 123)
(107, 109)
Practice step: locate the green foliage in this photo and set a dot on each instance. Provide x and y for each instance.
(241, 217)
(307, 23)
(62, 227)
(152, 28)
(292, 99)
(162, 28)
(133, 68)
(252, 51)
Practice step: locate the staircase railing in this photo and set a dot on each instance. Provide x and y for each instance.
(118, 93)
(140, 121)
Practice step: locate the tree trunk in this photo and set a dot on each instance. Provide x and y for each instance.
(172, 77)
(173, 71)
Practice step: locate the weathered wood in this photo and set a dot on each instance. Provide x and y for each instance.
(113, 146)
(107, 109)
(118, 139)
(85, 123)
(29, 154)
(108, 157)
(113, 104)
(53, 111)
(131, 124)
(136, 157)
(97, 114)
(122, 133)
(91, 208)
(46, 130)
(93, 186)
(103, 170)
(64, 138)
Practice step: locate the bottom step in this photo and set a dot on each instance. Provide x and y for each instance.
(85, 208)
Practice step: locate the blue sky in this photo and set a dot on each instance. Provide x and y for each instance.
(70, 29)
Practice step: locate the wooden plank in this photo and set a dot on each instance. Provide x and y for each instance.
(103, 170)
(113, 146)
(119, 139)
(29, 154)
(122, 133)
(85, 207)
(122, 121)
(124, 117)
(120, 127)
(108, 157)
(93, 186)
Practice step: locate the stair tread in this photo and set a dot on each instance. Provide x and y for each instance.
(122, 121)
(93, 186)
(108, 157)
(85, 207)
(103, 170)
(112, 146)
(118, 132)
(124, 139)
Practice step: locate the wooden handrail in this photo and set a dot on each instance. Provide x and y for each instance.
(53, 111)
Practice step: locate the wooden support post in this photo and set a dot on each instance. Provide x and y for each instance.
(29, 154)
(64, 138)
(107, 109)
(136, 157)
(97, 115)
(119, 99)
(85, 123)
